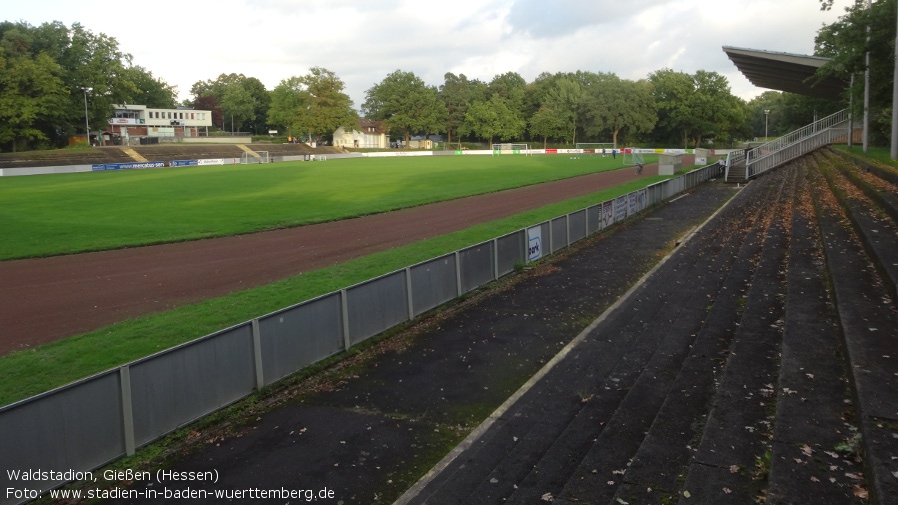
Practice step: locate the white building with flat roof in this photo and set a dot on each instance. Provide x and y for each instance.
(141, 121)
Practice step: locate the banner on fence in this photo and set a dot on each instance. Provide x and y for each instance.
(534, 243)
(195, 163)
(620, 208)
(127, 166)
(607, 213)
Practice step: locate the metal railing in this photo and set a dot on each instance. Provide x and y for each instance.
(790, 146)
(733, 159)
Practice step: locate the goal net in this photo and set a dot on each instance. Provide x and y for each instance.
(511, 149)
(455, 145)
(633, 158)
(260, 157)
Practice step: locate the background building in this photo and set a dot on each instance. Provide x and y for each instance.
(369, 134)
(130, 121)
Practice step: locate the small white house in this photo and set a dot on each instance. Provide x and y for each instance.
(369, 134)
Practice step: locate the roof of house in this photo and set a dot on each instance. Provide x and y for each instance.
(366, 124)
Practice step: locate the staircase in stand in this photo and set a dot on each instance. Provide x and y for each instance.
(752, 162)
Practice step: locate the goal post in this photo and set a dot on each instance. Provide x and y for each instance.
(511, 148)
(632, 157)
(258, 157)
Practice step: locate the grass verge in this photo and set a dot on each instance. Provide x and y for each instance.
(880, 154)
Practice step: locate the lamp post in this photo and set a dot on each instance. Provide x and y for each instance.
(86, 120)
(766, 113)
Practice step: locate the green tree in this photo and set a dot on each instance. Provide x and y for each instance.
(88, 65)
(150, 91)
(695, 107)
(770, 122)
(847, 42)
(617, 104)
(258, 123)
(238, 105)
(536, 91)
(457, 93)
(511, 87)
(547, 123)
(31, 94)
(565, 99)
(672, 91)
(288, 99)
(233, 102)
(492, 119)
(329, 106)
(405, 103)
(95, 62)
(714, 108)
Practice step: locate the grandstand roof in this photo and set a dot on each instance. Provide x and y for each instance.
(793, 73)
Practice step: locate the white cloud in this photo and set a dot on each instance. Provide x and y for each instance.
(364, 41)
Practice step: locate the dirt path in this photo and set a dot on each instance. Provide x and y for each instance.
(47, 299)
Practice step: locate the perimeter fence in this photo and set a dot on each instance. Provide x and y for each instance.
(50, 439)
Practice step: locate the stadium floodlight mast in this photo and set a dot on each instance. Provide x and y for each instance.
(86, 120)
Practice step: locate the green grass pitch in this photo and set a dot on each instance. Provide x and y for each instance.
(69, 213)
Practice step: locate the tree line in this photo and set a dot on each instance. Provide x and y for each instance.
(51, 73)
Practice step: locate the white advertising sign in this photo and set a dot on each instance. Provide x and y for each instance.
(534, 243)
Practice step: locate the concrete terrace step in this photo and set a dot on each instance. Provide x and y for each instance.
(882, 171)
(873, 221)
(606, 468)
(813, 404)
(640, 366)
(526, 423)
(869, 323)
(659, 466)
(767, 383)
(527, 431)
(738, 429)
(883, 192)
(588, 406)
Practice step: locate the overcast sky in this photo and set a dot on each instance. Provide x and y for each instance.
(271, 40)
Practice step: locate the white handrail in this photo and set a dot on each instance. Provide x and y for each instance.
(796, 143)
